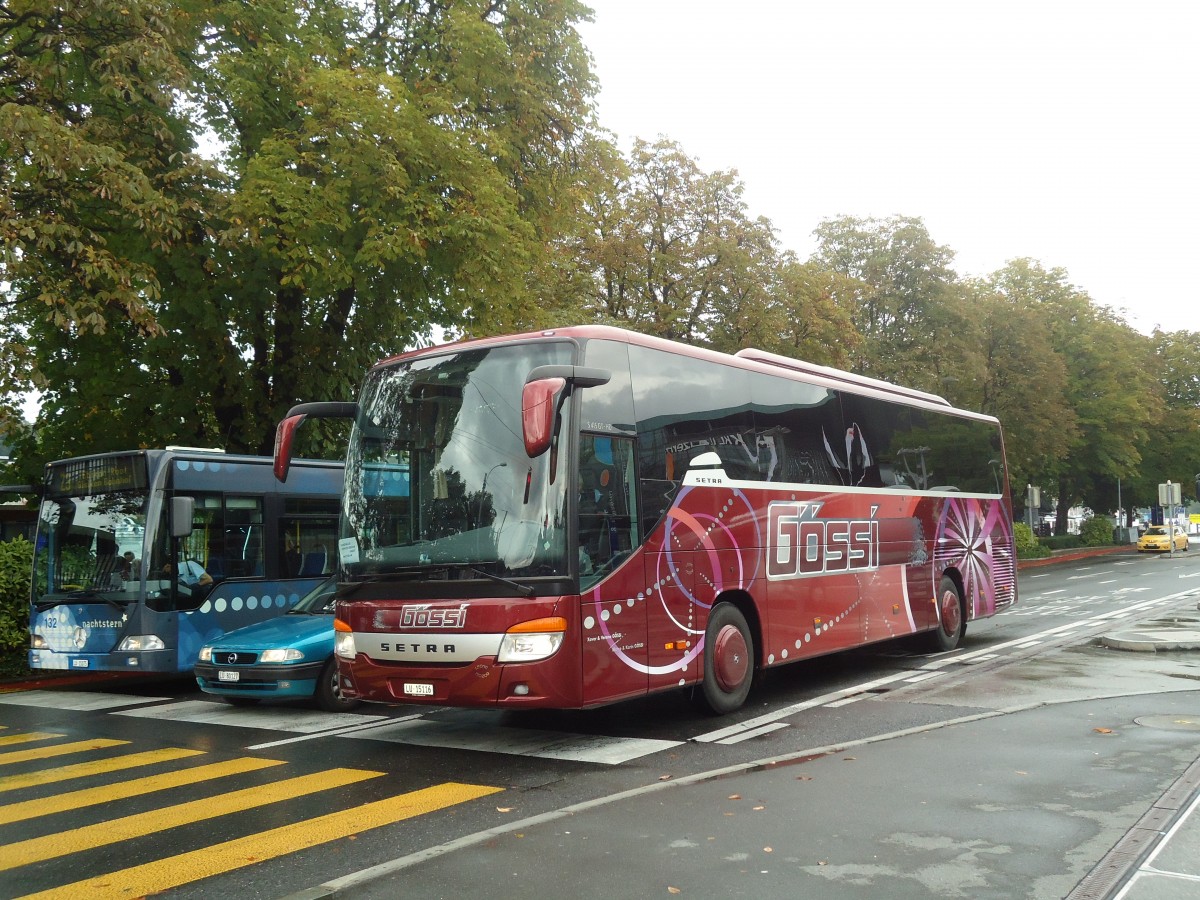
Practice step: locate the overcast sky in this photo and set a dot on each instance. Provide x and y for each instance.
(1061, 131)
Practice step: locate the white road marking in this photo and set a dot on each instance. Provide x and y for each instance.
(75, 702)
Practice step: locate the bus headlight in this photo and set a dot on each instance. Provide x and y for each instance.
(141, 642)
(533, 640)
(279, 654)
(37, 642)
(343, 640)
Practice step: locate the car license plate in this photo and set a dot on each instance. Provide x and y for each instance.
(418, 689)
(224, 675)
(79, 663)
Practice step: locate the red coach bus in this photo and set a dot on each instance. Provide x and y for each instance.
(575, 517)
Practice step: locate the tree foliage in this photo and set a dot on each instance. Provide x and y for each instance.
(212, 210)
(383, 171)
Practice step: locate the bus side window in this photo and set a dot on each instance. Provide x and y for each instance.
(308, 538)
(242, 554)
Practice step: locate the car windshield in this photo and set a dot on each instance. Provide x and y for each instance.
(319, 600)
(1157, 530)
(437, 476)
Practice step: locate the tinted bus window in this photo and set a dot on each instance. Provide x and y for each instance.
(922, 449)
(800, 425)
(686, 407)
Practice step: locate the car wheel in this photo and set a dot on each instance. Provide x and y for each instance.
(728, 660)
(329, 696)
(952, 618)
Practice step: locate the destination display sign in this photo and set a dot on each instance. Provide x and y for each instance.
(98, 475)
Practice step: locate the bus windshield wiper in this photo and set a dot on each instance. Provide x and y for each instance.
(75, 597)
(523, 589)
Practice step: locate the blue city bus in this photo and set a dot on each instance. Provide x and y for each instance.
(142, 557)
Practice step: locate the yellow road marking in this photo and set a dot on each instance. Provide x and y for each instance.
(51, 846)
(18, 756)
(137, 787)
(174, 871)
(26, 737)
(96, 767)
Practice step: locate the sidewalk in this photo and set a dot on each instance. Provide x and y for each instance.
(1006, 803)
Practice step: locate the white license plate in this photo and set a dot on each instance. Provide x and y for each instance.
(222, 675)
(79, 663)
(417, 689)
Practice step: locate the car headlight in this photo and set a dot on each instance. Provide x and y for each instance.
(141, 642)
(280, 654)
(206, 654)
(533, 640)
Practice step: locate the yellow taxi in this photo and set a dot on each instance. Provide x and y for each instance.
(1156, 538)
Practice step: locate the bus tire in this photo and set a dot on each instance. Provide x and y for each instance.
(728, 660)
(952, 618)
(328, 695)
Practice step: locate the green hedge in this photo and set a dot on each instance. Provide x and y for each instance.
(16, 570)
(1097, 532)
(1027, 544)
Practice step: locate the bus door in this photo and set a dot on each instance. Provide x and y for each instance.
(613, 595)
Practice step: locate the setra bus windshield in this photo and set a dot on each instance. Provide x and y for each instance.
(91, 529)
(438, 481)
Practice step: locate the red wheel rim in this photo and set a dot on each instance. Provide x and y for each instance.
(950, 613)
(731, 659)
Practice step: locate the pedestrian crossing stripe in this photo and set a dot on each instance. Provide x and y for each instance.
(184, 868)
(26, 737)
(19, 756)
(88, 837)
(95, 767)
(138, 787)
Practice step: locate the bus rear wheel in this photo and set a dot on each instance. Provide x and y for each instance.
(728, 659)
(952, 619)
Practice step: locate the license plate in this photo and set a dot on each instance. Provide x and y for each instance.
(222, 675)
(79, 663)
(417, 689)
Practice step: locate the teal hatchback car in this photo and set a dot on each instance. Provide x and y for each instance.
(288, 657)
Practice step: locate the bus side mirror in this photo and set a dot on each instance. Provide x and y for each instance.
(285, 436)
(285, 431)
(538, 408)
(182, 510)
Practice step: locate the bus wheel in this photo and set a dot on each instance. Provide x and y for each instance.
(728, 659)
(952, 621)
(329, 696)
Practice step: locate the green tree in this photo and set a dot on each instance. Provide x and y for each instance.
(666, 248)
(906, 306)
(1024, 380)
(1110, 386)
(1172, 452)
(385, 171)
(95, 171)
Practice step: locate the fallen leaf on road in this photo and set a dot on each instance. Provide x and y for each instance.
(664, 777)
(735, 796)
(504, 809)
(804, 778)
(673, 890)
(757, 808)
(1102, 730)
(767, 850)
